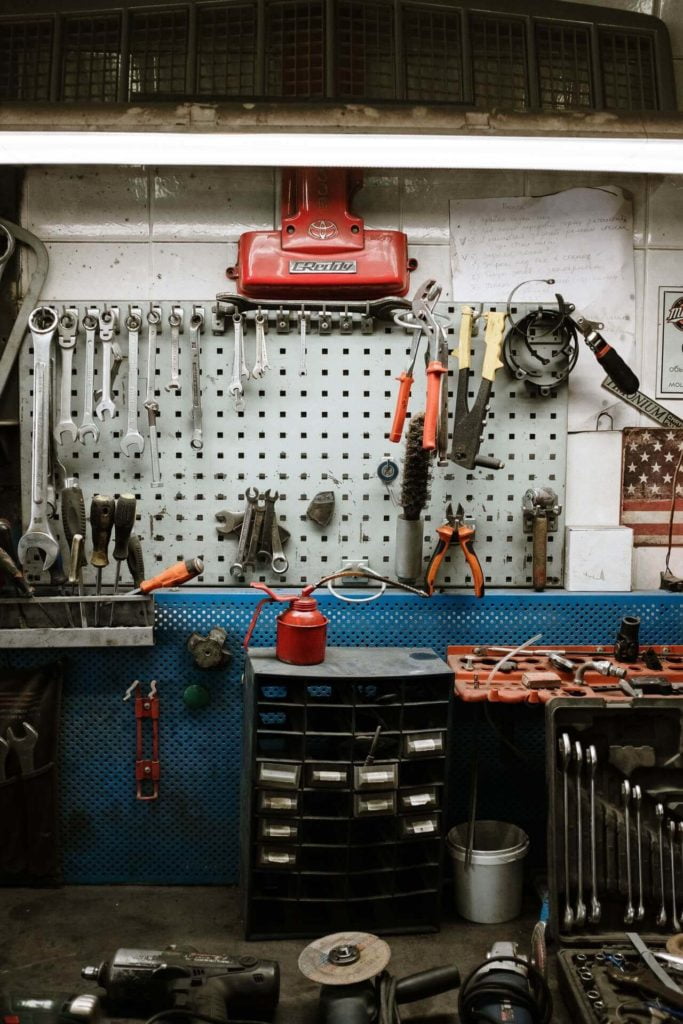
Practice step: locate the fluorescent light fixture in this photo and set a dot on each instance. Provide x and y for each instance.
(317, 149)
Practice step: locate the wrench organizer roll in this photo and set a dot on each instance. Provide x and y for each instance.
(218, 415)
(615, 837)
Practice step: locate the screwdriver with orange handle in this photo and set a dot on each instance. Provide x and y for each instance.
(455, 527)
(174, 576)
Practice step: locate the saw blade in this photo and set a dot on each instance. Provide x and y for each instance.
(344, 958)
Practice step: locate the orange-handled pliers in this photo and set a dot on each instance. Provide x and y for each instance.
(420, 321)
(455, 526)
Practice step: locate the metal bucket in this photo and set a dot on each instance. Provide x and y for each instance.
(490, 889)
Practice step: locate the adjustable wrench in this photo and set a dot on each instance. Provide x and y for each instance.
(239, 369)
(105, 403)
(88, 427)
(629, 914)
(196, 326)
(675, 923)
(565, 757)
(42, 324)
(659, 812)
(261, 364)
(580, 918)
(637, 794)
(238, 566)
(175, 321)
(595, 908)
(133, 442)
(67, 329)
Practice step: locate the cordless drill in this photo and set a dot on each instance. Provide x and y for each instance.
(214, 984)
(56, 1008)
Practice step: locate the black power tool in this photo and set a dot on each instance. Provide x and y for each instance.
(57, 1008)
(213, 984)
(506, 989)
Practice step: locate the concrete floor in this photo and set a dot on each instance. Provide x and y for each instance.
(47, 935)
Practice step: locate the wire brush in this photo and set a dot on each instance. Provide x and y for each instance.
(416, 470)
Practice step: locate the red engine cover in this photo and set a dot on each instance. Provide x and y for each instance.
(322, 250)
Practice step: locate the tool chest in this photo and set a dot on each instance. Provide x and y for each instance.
(615, 841)
(344, 792)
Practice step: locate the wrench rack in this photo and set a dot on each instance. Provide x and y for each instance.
(638, 742)
(326, 430)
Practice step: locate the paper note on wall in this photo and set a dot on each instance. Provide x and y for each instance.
(583, 238)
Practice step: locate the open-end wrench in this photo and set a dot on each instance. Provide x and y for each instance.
(88, 427)
(238, 566)
(236, 388)
(261, 364)
(659, 812)
(196, 326)
(675, 923)
(259, 515)
(42, 324)
(265, 552)
(637, 794)
(280, 563)
(152, 407)
(23, 746)
(629, 913)
(105, 403)
(580, 917)
(133, 442)
(565, 749)
(67, 329)
(154, 329)
(595, 908)
(175, 322)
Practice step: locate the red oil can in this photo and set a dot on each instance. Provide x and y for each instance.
(301, 631)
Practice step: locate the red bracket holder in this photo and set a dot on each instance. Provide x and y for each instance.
(147, 769)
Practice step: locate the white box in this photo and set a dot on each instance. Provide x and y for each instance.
(598, 558)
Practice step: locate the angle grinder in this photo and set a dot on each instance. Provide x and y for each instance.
(356, 988)
(506, 988)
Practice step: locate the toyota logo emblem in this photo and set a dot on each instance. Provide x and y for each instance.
(323, 229)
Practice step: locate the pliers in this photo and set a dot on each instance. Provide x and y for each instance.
(468, 424)
(455, 526)
(421, 321)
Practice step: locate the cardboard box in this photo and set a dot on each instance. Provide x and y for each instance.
(598, 558)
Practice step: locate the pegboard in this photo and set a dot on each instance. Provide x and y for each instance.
(300, 434)
(191, 834)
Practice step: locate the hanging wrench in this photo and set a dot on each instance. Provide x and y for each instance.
(565, 757)
(279, 564)
(88, 427)
(42, 324)
(105, 403)
(152, 408)
(303, 318)
(595, 909)
(261, 364)
(265, 553)
(133, 442)
(236, 388)
(196, 326)
(629, 914)
(175, 321)
(675, 923)
(67, 329)
(154, 324)
(637, 802)
(238, 566)
(580, 918)
(659, 812)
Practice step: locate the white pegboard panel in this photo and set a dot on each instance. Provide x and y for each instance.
(327, 430)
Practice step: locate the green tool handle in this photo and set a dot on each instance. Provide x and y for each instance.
(102, 509)
(136, 562)
(124, 520)
(73, 518)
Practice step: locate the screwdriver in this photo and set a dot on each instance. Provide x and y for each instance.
(124, 519)
(76, 563)
(136, 565)
(102, 509)
(174, 576)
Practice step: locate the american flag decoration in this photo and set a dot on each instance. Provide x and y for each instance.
(651, 466)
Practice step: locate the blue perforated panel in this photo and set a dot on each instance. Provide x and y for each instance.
(191, 833)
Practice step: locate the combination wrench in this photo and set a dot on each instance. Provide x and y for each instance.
(239, 368)
(151, 404)
(105, 403)
(132, 442)
(629, 913)
(196, 326)
(592, 763)
(88, 427)
(42, 324)
(304, 319)
(67, 329)
(637, 795)
(261, 364)
(675, 923)
(565, 758)
(175, 322)
(659, 812)
(238, 566)
(580, 917)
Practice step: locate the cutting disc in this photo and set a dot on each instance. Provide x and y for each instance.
(344, 958)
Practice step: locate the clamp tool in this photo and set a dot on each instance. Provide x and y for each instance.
(468, 425)
(420, 320)
(147, 769)
(455, 526)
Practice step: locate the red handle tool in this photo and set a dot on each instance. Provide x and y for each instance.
(174, 576)
(435, 371)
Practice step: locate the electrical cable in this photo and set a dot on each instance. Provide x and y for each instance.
(388, 1007)
(489, 988)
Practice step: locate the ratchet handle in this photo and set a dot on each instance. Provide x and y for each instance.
(406, 383)
(616, 369)
(124, 520)
(445, 533)
(466, 541)
(435, 371)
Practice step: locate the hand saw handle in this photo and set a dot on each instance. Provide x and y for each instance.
(435, 371)
(406, 383)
